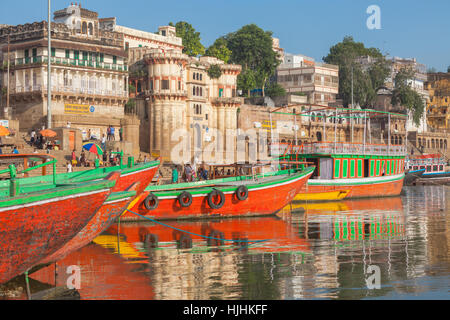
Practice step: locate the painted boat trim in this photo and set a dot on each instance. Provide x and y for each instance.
(38, 203)
(361, 181)
(229, 190)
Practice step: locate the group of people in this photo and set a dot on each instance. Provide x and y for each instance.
(108, 159)
(38, 140)
(189, 173)
(111, 133)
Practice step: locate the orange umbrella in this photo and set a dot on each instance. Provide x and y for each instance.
(48, 133)
(4, 131)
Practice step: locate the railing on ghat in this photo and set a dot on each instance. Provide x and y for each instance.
(14, 187)
(282, 149)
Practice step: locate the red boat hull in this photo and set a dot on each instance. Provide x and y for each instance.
(30, 233)
(101, 221)
(263, 201)
(144, 177)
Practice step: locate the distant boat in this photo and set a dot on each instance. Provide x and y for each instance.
(412, 175)
(36, 224)
(262, 194)
(434, 168)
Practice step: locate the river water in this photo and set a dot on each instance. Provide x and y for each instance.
(334, 250)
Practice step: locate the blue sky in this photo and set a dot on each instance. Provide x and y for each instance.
(409, 28)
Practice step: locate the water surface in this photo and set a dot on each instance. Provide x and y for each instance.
(312, 251)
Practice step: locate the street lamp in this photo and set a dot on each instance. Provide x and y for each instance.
(49, 77)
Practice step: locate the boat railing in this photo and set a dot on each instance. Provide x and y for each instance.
(338, 148)
(13, 172)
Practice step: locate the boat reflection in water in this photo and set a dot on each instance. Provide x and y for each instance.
(311, 251)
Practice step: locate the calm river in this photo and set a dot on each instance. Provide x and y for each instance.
(307, 251)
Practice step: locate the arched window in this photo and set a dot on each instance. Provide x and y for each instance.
(91, 29)
(201, 91)
(84, 28)
(193, 91)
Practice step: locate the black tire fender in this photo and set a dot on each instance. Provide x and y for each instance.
(151, 202)
(182, 197)
(211, 196)
(242, 193)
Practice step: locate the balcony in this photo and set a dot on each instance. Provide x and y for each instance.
(69, 62)
(327, 148)
(72, 90)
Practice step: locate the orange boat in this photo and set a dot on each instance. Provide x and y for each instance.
(263, 194)
(358, 170)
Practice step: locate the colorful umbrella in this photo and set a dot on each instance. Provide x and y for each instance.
(48, 133)
(4, 131)
(93, 148)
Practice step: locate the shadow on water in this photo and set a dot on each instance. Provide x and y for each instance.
(311, 251)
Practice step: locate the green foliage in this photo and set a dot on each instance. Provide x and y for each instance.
(214, 71)
(404, 95)
(432, 70)
(130, 106)
(131, 88)
(4, 91)
(191, 38)
(219, 50)
(365, 81)
(275, 90)
(246, 81)
(251, 47)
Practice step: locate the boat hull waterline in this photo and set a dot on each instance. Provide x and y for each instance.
(263, 199)
(29, 232)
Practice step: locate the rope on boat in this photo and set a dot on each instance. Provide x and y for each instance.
(195, 234)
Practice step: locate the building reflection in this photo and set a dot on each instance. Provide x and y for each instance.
(309, 251)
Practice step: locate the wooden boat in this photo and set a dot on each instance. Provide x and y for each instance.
(364, 171)
(322, 196)
(412, 175)
(36, 224)
(262, 194)
(113, 207)
(130, 173)
(434, 166)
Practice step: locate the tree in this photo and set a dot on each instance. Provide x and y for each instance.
(251, 47)
(219, 50)
(246, 81)
(448, 69)
(404, 95)
(191, 38)
(366, 79)
(214, 71)
(275, 90)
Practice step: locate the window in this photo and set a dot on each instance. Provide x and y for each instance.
(85, 55)
(76, 55)
(179, 85)
(114, 60)
(35, 52)
(206, 116)
(337, 168)
(220, 92)
(352, 168)
(53, 52)
(345, 168)
(360, 167)
(102, 57)
(67, 54)
(165, 85)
